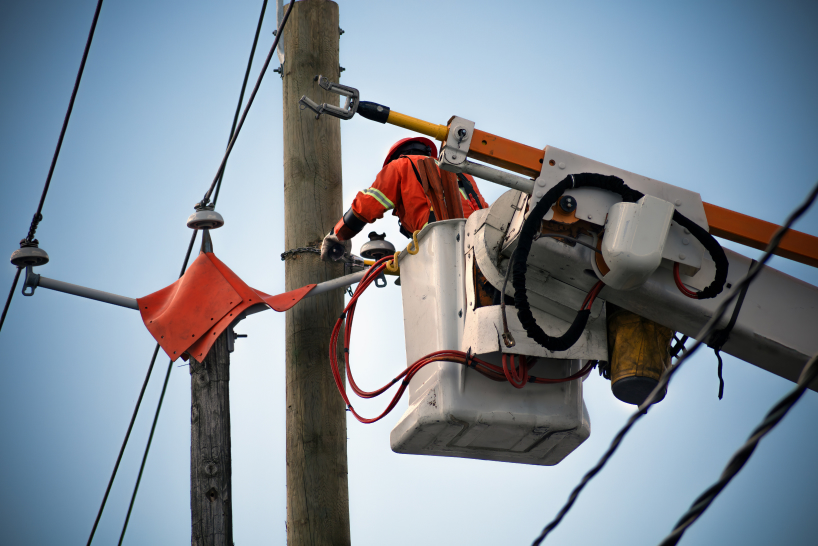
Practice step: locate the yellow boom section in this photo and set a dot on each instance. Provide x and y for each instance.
(438, 132)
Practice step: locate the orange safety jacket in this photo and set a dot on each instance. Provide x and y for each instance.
(397, 188)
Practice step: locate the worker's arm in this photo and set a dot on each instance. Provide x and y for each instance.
(369, 205)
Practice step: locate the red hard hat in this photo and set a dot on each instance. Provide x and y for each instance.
(401, 142)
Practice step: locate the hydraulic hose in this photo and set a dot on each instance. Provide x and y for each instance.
(531, 227)
(517, 374)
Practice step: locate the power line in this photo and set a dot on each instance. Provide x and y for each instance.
(135, 412)
(703, 335)
(38, 216)
(147, 449)
(250, 100)
(124, 443)
(241, 95)
(233, 133)
(11, 295)
(742, 455)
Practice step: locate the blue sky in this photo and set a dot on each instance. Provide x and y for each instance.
(717, 97)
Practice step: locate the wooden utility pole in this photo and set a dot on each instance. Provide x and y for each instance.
(317, 493)
(211, 498)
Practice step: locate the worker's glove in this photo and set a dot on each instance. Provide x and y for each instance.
(332, 249)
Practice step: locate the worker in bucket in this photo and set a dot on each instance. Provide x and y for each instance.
(400, 187)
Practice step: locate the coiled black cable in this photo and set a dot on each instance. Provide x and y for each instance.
(531, 228)
(704, 334)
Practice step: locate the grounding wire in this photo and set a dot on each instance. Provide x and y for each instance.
(38, 216)
(241, 95)
(742, 455)
(206, 198)
(703, 335)
(234, 133)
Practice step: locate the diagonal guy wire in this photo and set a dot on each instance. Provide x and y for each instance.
(663, 381)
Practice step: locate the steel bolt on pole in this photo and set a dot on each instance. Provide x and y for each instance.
(317, 492)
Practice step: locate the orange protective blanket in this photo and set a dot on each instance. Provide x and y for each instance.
(188, 315)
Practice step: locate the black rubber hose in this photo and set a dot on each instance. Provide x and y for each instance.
(531, 227)
(716, 252)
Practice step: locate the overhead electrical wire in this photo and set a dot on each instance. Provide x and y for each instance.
(250, 100)
(124, 443)
(156, 350)
(145, 455)
(38, 216)
(702, 336)
(35, 222)
(136, 411)
(740, 457)
(11, 295)
(235, 133)
(241, 94)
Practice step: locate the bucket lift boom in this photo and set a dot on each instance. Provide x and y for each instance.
(650, 244)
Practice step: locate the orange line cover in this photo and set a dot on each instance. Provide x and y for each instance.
(186, 317)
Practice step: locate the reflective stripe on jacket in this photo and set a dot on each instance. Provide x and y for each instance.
(397, 188)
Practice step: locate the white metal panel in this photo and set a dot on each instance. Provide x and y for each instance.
(484, 328)
(593, 204)
(433, 294)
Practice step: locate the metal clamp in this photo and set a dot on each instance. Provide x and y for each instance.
(382, 280)
(353, 264)
(453, 158)
(232, 336)
(32, 281)
(348, 109)
(457, 144)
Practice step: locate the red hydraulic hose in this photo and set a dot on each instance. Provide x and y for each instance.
(682, 288)
(517, 380)
(516, 373)
(591, 296)
(546, 381)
